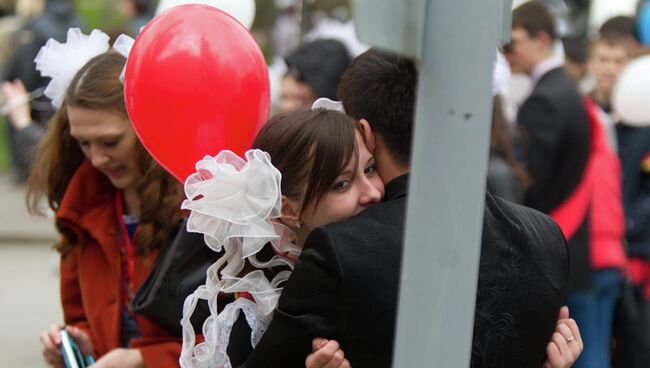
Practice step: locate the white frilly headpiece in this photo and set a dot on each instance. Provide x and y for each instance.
(500, 75)
(233, 202)
(327, 104)
(61, 61)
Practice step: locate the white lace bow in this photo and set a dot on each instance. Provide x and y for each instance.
(62, 61)
(233, 202)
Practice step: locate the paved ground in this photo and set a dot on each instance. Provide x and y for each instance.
(16, 225)
(29, 297)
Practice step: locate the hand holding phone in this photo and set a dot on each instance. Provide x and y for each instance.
(72, 355)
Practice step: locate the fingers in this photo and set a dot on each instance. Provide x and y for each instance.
(564, 353)
(567, 337)
(51, 342)
(553, 355)
(337, 361)
(575, 331)
(20, 87)
(565, 345)
(326, 356)
(564, 313)
(13, 89)
(82, 340)
(318, 343)
(576, 345)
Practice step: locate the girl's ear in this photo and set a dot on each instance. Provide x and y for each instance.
(368, 135)
(290, 213)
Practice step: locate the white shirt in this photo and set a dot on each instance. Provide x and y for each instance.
(545, 67)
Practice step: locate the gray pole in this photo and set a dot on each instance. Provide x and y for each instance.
(446, 196)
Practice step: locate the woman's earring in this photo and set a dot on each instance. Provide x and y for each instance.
(298, 224)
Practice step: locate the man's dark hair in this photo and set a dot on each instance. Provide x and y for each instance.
(320, 64)
(534, 18)
(576, 49)
(380, 86)
(619, 27)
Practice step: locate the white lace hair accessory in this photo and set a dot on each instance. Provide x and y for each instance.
(123, 44)
(327, 104)
(61, 61)
(500, 76)
(234, 202)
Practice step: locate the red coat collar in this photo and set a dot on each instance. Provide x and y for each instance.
(88, 208)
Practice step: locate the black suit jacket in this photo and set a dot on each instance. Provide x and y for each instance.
(345, 285)
(555, 128)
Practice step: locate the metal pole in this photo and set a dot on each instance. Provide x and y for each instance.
(446, 196)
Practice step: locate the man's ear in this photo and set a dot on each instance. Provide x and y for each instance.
(290, 213)
(545, 39)
(368, 135)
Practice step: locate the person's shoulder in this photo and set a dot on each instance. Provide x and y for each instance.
(381, 223)
(518, 214)
(557, 85)
(389, 213)
(533, 238)
(531, 226)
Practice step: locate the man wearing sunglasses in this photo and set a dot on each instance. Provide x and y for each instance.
(555, 129)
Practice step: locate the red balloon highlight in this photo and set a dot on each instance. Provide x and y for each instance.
(196, 83)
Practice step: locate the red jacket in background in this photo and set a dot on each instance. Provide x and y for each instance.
(91, 274)
(599, 192)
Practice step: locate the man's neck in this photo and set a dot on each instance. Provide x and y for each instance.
(387, 167)
(602, 98)
(546, 64)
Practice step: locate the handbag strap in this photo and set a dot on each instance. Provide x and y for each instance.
(162, 265)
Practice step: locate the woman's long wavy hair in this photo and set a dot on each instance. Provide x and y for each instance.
(97, 86)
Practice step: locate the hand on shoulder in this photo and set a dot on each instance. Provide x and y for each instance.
(326, 354)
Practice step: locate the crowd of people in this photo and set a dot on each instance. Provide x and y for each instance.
(564, 277)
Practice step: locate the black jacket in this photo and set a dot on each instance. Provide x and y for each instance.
(633, 147)
(554, 127)
(345, 285)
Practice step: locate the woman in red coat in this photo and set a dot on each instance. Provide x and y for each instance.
(114, 207)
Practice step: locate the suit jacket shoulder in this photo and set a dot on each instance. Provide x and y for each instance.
(343, 287)
(522, 283)
(554, 127)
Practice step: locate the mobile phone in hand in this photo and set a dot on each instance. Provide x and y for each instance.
(72, 356)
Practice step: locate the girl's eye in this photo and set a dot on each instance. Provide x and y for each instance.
(369, 170)
(111, 143)
(84, 144)
(341, 185)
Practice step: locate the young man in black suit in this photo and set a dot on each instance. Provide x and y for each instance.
(554, 127)
(345, 285)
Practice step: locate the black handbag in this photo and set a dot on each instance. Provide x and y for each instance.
(179, 269)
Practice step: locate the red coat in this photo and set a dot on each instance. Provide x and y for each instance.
(599, 192)
(91, 286)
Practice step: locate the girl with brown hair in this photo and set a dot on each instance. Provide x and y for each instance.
(114, 206)
(327, 175)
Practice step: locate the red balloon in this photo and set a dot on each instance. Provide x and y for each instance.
(196, 83)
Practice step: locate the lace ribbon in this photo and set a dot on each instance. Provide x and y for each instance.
(123, 44)
(62, 61)
(233, 203)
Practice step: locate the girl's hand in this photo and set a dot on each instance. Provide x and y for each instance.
(566, 344)
(51, 342)
(16, 97)
(326, 354)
